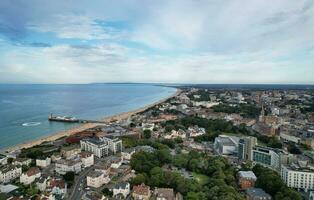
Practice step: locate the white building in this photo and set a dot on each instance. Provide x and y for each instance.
(226, 145)
(30, 176)
(70, 152)
(43, 162)
(298, 178)
(96, 179)
(176, 134)
(195, 131)
(64, 166)
(87, 159)
(41, 183)
(116, 162)
(9, 173)
(127, 153)
(148, 126)
(289, 137)
(121, 189)
(102, 146)
(22, 161)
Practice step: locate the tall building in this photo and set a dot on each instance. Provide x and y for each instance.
(266, 156)
(102, 146)
(246, 146)
(298, 178)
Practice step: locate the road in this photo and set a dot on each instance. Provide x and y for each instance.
(78, 187)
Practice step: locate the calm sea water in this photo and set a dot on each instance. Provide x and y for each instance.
(24, 109)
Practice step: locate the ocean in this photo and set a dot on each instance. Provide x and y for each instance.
(24, 109)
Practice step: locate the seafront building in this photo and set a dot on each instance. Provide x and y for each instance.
(9, 173)
(30, 176)
(102, 146)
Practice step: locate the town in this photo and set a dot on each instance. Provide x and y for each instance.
(203, 143)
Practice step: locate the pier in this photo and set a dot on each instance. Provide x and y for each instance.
(67, 119)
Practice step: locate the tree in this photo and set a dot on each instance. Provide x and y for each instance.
(147, 133)
(107, 192)
(144, 161)
(139, 179)
(69, 177)
(10, 160)
(272, 183)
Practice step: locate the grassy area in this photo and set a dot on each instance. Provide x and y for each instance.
(201, 178)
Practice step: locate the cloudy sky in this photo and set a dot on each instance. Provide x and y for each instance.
(177, 41)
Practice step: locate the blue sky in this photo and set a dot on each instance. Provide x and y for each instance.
(178, 41)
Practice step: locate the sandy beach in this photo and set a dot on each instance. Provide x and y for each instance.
(83, 127)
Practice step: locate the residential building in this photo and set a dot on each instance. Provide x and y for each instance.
(164, 194)
(266, 156)
(226, 145)
(246, 146)
(22, 161)
(87, 158)
(115, 162)
(43, 162)
(176, 134)
(127, 153)
(70, 152)
(297, 177)
(9, 173)
(57, 187)
(148, 126)
(246, 179)
(141, 192)
(121, 189)
(102, 146)
(41, 183)
(257, 194)
(96, 179)
(195, 131)
(64, 166)
(30, 176)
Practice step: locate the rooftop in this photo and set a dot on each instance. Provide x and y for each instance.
(141, 189)
(257, 192)
(247, 175)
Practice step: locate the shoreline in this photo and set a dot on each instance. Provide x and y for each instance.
(80, 128)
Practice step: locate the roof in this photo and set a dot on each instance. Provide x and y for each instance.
(122, 185)
(141, 189)
(32, 171)
(68, 162)
(85, 154)
(7, 168)
(56, 183)
(257, 192)
(247, 175)
(7, 188)
(95, 174)
(166, 193)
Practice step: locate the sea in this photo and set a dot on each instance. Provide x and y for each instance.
(24, 109)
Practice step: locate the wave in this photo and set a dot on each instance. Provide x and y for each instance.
(31, 124)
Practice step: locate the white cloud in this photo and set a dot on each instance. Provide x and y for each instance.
(74, 27)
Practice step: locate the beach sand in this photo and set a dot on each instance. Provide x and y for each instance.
(83, 127)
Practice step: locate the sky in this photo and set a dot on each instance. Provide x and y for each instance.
(164, 41)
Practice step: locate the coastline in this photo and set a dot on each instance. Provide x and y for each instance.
(80, 128)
